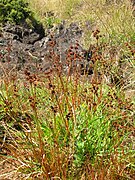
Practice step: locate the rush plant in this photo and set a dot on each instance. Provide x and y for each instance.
(66, 126)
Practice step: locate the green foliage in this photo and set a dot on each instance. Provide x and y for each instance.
(15, 11)
(94, 135)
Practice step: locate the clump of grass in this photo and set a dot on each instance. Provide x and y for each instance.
(68, 126)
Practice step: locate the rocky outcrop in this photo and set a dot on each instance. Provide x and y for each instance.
(24, 48)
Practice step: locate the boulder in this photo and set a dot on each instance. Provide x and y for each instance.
(26, 48)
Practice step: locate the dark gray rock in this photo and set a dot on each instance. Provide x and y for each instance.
(22, 47)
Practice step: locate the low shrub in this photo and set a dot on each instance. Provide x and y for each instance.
(15, 11)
